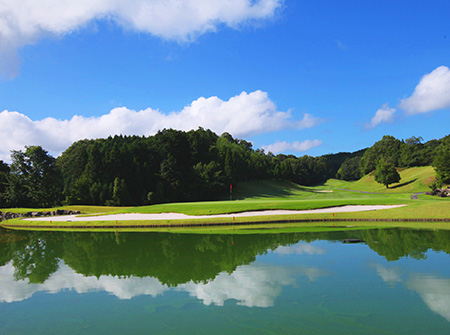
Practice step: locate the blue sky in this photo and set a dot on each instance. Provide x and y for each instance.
(301, 77)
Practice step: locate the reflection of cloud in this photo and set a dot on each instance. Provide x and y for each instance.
(66, 278)
(251, 285)
(13, 290)
(434, 291)
(389, 275)
(300, 249)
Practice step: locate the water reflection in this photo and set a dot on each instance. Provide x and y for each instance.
(252, 270)
(433, 289)
(300, 249)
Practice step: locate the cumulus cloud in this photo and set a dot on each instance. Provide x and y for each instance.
(432, 93)
(27, 21)
(296, 146)
(242, 115)
(384, 115)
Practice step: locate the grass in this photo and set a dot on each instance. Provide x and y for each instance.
(267, 195)
(413, 180)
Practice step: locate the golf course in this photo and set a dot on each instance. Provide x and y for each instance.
(282, 199)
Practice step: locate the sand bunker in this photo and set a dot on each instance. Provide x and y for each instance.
(178, 216)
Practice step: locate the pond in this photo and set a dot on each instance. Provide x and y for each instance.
(395, 282)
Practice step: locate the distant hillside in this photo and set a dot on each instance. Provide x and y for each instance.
(413, 180)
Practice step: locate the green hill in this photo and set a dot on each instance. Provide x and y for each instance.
(413, 180)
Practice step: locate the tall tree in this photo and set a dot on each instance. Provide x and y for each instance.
(441, 161)
(4, 172)
(389, 148)
(35, 180)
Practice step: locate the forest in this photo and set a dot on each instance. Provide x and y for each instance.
(175, 166)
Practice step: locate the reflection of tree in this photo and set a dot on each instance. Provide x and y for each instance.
(396, 243)
(172, 258)
(35, 260)
(181, 258)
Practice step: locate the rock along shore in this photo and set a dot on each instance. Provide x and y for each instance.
(58, 212)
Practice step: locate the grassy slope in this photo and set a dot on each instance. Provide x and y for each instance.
(283, 195)
(413, 180)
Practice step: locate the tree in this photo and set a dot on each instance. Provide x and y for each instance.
(34, 181)
(349, 169)
(386, 173)
(388, 148)
(4, 172)
(441, 162)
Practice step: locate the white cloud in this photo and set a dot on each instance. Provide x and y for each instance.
(27, 21)
(432, 93)
(383, 115)
(242, 115)
(296, 146)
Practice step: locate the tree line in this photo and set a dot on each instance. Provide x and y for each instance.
(174, 166)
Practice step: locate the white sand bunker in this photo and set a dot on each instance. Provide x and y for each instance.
(178, 216)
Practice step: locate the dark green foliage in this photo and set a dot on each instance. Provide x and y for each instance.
(34, 180)
(173, 166)
(441, 161)
(184, 166)
(408, 153)
(349, 170)
(386, 173)
(4, 173)
(305, 170)
(335, 161)
(388, 148)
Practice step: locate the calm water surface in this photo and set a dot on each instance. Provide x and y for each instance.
(396, 282)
